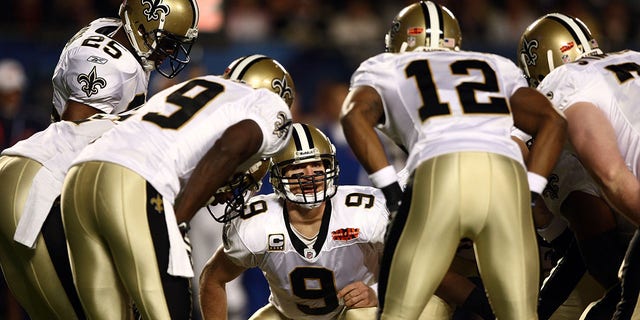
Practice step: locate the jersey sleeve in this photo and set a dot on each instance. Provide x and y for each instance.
(235, 248)
(355, 202)
(380, 73)
(560, 87)
(513, 76)
(95, 79)
(372, 72)
(272, 114)
(568, 176)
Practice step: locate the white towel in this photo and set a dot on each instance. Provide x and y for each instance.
(44, 191)
(179, 262)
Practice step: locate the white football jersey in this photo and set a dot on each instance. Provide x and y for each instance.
(304, 281)
(165, 139)
(567, 176)
(439, 102)
(98, 71)
(54, 148)
(611, 82)
(57, 145)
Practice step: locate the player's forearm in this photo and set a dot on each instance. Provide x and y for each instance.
(207, 177)
(623, 192)
(362, 110)
(454, 288)
(213, 302)
(217, 272)
(213, 293)
(364, 142)
(237, 144)
(547, 146)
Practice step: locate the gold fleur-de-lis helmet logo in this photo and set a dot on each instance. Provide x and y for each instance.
(91, 82)
(281, 86)
(528, 48)
(155, 6)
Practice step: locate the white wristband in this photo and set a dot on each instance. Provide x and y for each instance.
(536, 182)
(383, 177)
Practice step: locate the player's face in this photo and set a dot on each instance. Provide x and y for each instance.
(164, 50)
(306, 178)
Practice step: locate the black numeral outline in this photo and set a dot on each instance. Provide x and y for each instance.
(254, 208)
(188, 106)
(327, 290)
(623, 71)
(111, 48)
(420, 70)
(357, 199)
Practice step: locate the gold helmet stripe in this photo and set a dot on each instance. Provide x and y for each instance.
(240, 67)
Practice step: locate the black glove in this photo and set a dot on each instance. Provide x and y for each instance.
(393, 195)
(534, 197)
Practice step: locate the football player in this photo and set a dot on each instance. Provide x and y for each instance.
(105, 66)
(452, 111)
(126, 194)
(585, 233)
(598, 94)
(318, 244)
(35, 264)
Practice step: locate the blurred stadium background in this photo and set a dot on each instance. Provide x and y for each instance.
(320, 41)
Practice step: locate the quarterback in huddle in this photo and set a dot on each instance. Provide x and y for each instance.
(318, 245)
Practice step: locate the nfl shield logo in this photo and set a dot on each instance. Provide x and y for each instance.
(309, 253)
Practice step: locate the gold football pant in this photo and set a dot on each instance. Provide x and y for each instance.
(118, 242)
(31, 273)
(475, 195)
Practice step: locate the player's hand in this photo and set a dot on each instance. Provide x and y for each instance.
(393, 196)
(534, 198)
(220, 198)
(358, 295)
(184, 228)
